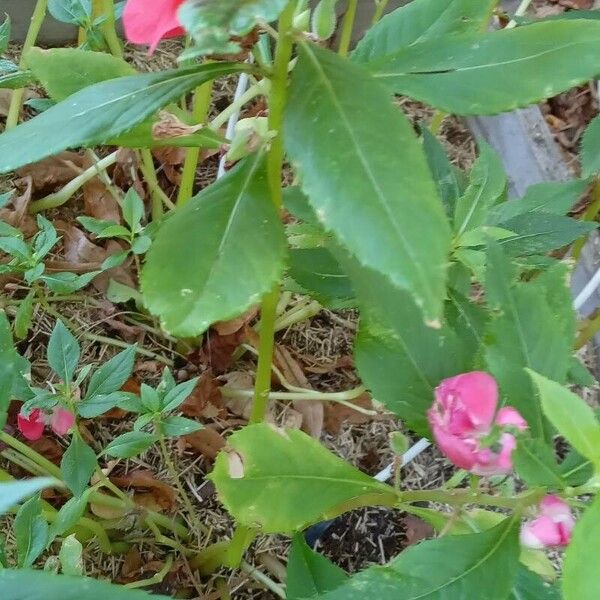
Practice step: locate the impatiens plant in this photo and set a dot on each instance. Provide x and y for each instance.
(467, 330)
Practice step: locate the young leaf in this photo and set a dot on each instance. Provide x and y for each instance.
(68, 516)
(310, 483)
(111, 376)
(177, 395)
(45, 239)
(77, 465)
(460, 73)
(141, 244)
(130, 444)
(40, 585)
(422, 20)
(66, 283)
(487, 184)
(481, 565)
(580, 576)
(95, 226)
(24, 316)
(102, 111)
(31, 532)
(364, 191)
(63, 352)
(12, 492)
(70, 556)
(4, 34)
(75, 12)
(177, 426)
(133, 209)
(309, 573)
(150, 398)
(572, 417)
(7, 368)
(191, 276)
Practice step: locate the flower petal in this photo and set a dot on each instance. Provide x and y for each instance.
(61, 421)
(32, 427)
(459, 451)
(542, 532)
(508, 416)
(148, 22)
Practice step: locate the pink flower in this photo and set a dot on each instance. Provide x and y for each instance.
(467, 428)
(553, 526)
(32, 427)
(150, 21)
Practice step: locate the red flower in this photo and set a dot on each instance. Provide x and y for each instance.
(32, 427)
(150, 21)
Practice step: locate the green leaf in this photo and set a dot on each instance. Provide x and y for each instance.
(535, 462)
(8, 369)
(141, 244)
(296, 203)
(66, 283)
(77, 465)
(539, 233)
(448, 179)
(529, 586)
(16, 80)
(63, 352)
(15, 247)
(556, 197)
(422, 20)
(460, 73)
(534, 328)
(211, 23)
(575, 469)
(12, 492)
(75, 12)
(572, 417)
(191, 276)
(133, 209)
(65, 71)
(590, 149)
(398, 357)
(68, 516)
(487, 184)
(111, 376)
(102, 111)
(70, 556)
(4, 34)
(310, 483)
(31, 532)
(310, 573)
(579, 374)
(45, 239)
(39, 585)
(24, 316)
(324, 19)
(95, 226)
(481, 565)
(317, 271)
(130, 444)
(173, 427)
(150, 398)
(580, 576)
(177, 395)
(351, 174)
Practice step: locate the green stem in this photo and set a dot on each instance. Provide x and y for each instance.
(202, 98)
(297, 316)
(252, 92)
(109, 30)
(469, 496)
(347, 28)
(48, 467)
(379, 10)
(16, 101)
(262, 578)
(63, 195)
(155, 579)
(156, 193)
(277, 100)
(436, 121)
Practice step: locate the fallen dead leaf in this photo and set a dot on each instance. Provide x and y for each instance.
(416, 529)
(205, 400)
(132, 562)
(53, 172)
(98, 202)
(147, 488)
(239, 380)
(49, 448)
(207, 442)
(231, 327)
(6, 96)
(217, 350)
(338, 414)
(17, 216)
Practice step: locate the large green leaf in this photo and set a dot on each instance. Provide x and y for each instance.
(31, 532)
(423, 20)
(12, 492)
(399, 358)
(580, 572)
(529, 586)
(535, 462)
(474, 74)
(101, 112)
(64, 71)
(534, 328)
(572, 417)
(7, 367)
(481, 565)
(41, 585)
(283, 481)
(367, 177)
(217, 256)
(77, 465)
(310, 573)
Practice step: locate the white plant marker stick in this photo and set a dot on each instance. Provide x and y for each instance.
(590, 287)
(241, 88)
(407, 457)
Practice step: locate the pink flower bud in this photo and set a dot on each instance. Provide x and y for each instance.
(32, 427)
(150, 21)
(553, 527)
(61, 421)
(463, 415)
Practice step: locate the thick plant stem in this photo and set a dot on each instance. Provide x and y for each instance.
(108, 29)
(277, 100)
(347, 28)
(156, 192)
(202, 97)
(379, 10)
(16, 102)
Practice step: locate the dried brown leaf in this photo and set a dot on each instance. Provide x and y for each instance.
(416, 530)
(338, 414)
(231, 327)
(205, 400)
(207, 442)
(217, 350)
(148, 489)
(16, 214)
(53, 172)
(98, 202)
